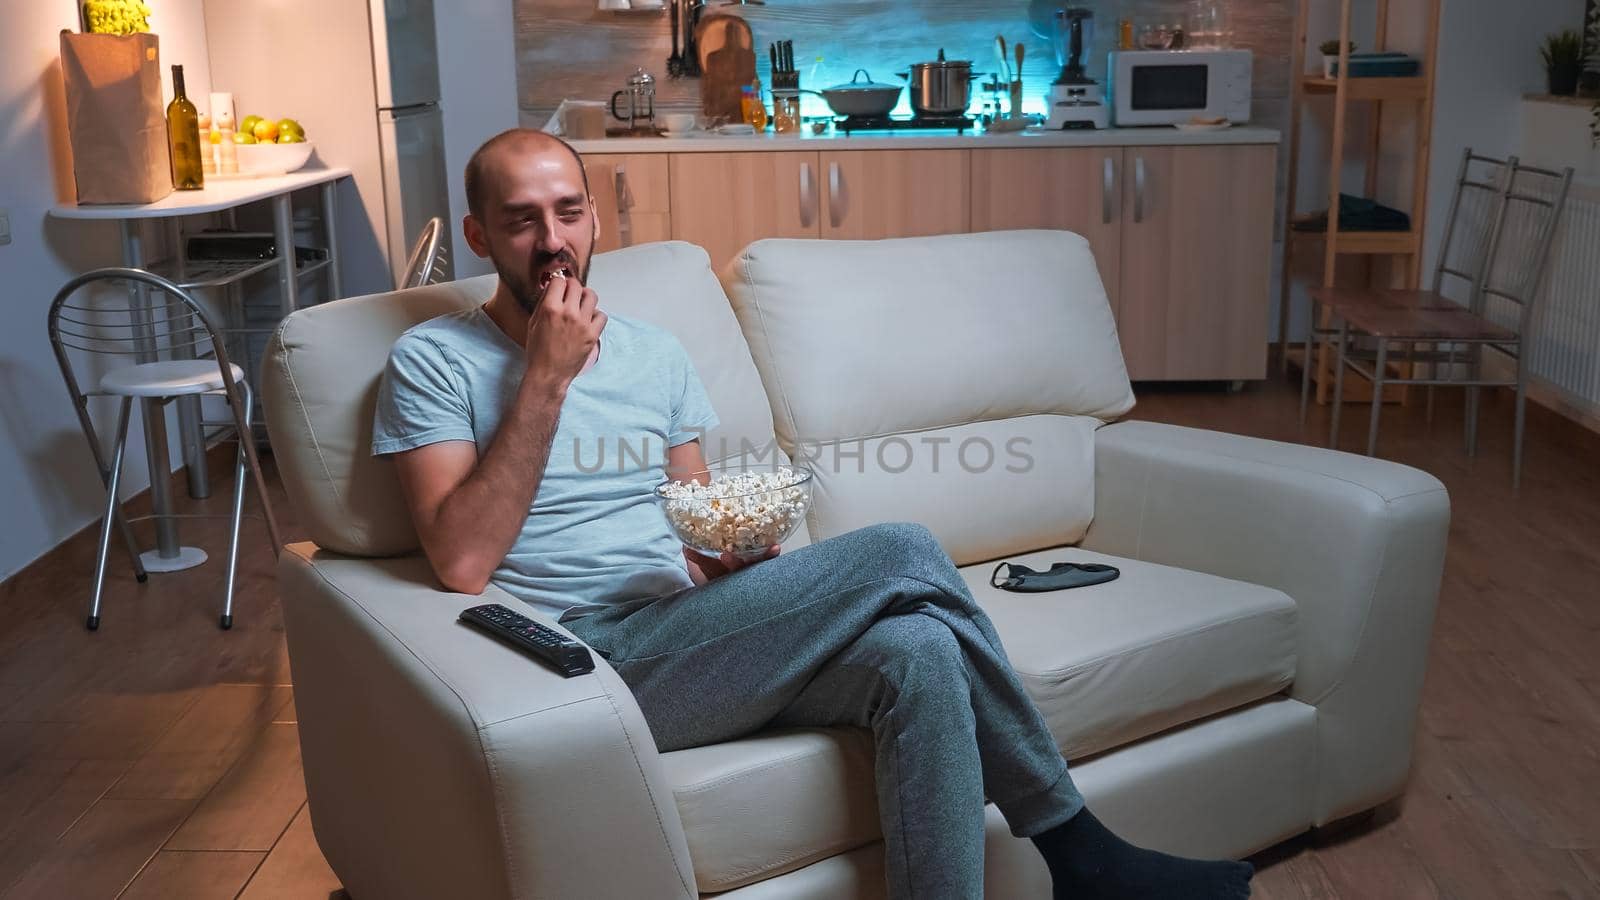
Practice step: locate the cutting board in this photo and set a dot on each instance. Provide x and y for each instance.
(727, 64)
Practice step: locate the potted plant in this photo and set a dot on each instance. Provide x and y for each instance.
(1330, 56)
(1563, 62)
(1589, 82)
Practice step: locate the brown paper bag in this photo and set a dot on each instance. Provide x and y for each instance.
(115, 117)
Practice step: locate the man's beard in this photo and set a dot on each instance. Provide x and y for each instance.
(527, 289)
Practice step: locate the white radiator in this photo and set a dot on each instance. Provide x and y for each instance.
(1564, 350)
(1563, 343)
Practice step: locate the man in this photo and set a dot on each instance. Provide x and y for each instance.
(486, 413)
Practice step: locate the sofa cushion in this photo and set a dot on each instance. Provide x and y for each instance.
(773, 802)
(322, 369)
(912, 372)
(1157, 647)
(1107, 665)
(319, 384)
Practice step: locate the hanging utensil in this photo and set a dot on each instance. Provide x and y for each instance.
(675, 61)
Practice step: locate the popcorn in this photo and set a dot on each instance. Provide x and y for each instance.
(742, 513)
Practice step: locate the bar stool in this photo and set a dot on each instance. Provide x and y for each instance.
(175, 352)
(428, 260)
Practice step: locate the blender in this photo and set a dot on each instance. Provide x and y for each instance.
(1076, 100)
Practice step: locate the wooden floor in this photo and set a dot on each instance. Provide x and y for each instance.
(158, 757)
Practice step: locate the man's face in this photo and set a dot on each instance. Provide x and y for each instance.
(537, 220)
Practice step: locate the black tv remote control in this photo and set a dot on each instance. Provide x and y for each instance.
(566, 655)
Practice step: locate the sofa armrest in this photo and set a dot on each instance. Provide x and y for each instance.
(441, 763)
(1358, 543)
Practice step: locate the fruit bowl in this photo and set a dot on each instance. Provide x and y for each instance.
(272, 159)
(743, 510)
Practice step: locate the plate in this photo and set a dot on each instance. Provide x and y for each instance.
(1207, 126)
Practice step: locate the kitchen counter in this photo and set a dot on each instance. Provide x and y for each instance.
(913, 140)
(218, 195)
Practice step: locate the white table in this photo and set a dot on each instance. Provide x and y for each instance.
(223, 196)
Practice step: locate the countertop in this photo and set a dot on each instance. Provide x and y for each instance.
(216, 195)
(907, 140)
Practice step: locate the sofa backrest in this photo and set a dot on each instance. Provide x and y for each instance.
(320, 383)
(954, 381)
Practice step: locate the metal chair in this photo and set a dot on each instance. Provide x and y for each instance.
(175, 352)
(1500, 257)
(429, 259)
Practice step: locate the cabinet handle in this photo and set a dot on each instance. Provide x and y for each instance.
(835, 196)
(624, 195)
(1105, 193)
(808, 196)
(624, 203)
(1138, 190)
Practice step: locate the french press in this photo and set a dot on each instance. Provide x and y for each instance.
(641, 101)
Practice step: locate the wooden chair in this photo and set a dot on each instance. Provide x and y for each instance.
(1500, 257)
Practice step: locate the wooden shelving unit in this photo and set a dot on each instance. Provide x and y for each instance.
(1405, 247)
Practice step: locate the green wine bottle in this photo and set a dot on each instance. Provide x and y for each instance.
(183, 137)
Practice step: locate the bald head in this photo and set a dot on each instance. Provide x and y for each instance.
(488, 159)
(531, 213)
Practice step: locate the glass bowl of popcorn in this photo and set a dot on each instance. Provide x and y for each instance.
(737, 508)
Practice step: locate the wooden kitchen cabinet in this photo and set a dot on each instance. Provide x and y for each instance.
(874, 194)
(1196, 251)
(632, 198)
(1073, 189)
(1182, 235)
(725, 201)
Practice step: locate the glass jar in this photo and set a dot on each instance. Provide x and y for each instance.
(1209, 26)
(786, 112)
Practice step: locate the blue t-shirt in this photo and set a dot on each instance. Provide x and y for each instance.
(594, 535)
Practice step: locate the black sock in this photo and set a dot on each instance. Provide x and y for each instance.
(1088, 862)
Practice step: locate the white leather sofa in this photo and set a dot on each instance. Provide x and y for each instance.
(1255, 671)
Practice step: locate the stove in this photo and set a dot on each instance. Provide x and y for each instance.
(958, 124)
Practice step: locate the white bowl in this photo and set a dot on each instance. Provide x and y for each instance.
(678, 123)
(272, 159)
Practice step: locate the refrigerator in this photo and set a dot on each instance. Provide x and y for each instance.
(362, 76)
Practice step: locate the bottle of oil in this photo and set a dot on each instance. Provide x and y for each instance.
(183, 137)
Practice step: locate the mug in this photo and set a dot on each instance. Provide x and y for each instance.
(678, 122)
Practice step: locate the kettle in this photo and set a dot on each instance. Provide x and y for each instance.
(641, 100)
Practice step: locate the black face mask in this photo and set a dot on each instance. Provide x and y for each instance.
(1062, 575)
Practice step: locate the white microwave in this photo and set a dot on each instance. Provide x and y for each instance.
(1170, 87)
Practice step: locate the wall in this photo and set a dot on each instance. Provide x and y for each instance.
(478, 81)
(1487, 61)
(1555, 133)
(568, 49)
(46, 473)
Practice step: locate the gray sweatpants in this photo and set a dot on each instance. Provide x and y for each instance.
(876, 629)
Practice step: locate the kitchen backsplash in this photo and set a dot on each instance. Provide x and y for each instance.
(569, 49)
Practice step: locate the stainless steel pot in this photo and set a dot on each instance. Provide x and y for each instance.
(861, 98)
(940, 88)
